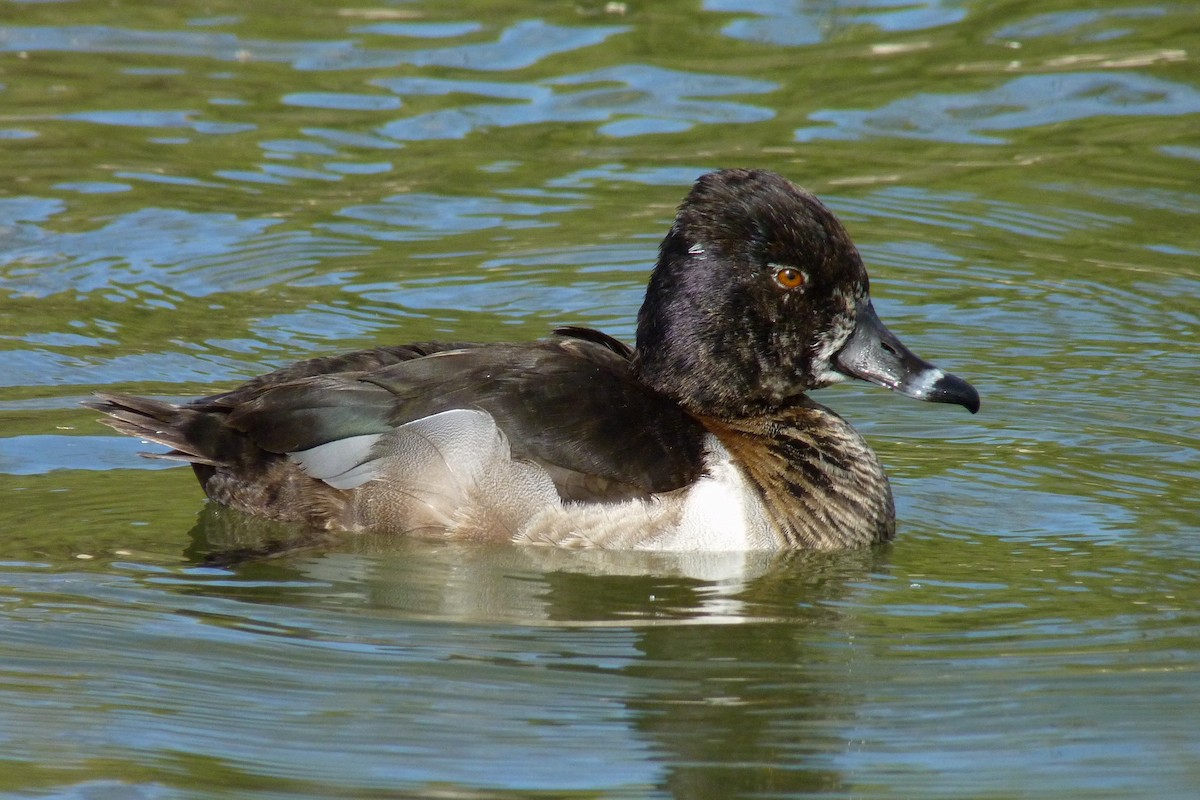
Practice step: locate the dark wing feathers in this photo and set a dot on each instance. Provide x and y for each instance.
(356, 362)
(316, 401)
(571, 403)
(595, 337)
(308, 412)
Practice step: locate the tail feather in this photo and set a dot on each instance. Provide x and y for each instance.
(231, 467)
(154, 421)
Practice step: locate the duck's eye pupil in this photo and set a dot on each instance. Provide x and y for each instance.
(789, 278)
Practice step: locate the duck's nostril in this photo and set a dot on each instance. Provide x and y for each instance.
(888, 348)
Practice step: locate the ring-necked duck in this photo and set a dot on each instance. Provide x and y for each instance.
(700, 437)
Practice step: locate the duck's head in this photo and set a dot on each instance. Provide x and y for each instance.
(758, 296)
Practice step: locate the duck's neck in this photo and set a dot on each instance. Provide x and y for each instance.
(820, 481)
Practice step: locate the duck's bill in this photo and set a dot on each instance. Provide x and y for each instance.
(873, 353)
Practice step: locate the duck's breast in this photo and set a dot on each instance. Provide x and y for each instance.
(719, 512)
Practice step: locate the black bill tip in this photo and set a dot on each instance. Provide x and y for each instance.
(934, 386)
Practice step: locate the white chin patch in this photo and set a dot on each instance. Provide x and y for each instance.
(829, 376)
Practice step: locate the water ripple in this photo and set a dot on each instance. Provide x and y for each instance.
(419, 216)
(195, 254)
(343, 101)
(421, 30)
(657, 99)
(158, 119)
(521, 45)
(1018, 105)
(964, 211)
(36, 455)
(1092, 25)
(794, 22)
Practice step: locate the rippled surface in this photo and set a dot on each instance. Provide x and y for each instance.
(195, 193)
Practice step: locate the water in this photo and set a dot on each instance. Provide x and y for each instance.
(195, 193)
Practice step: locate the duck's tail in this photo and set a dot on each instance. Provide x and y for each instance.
(178, 427)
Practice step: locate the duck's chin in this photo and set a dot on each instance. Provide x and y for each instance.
(824, 376)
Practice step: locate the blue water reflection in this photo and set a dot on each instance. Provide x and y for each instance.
(960, 211)
(660, 100)
(802, 22)
(521, 45)
(165, 252)
(1092, 25)
(342, 101)
(416, 216)
(1018, 104)
(158, 119)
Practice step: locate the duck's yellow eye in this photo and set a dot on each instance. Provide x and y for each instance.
(789, 277)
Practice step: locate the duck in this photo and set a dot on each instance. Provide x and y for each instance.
(701, 436)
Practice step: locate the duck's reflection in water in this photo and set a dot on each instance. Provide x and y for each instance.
(722, 664)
